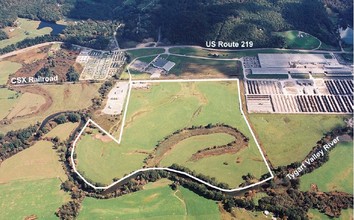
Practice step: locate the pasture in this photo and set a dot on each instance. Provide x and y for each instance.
(7, 68)
(37, 162)
(26, 29)
(154, 202)
(21, 199)
(289, 138)
(299, 40)
(158, 112)
(30, 183)
(68, 97)
(334, 175)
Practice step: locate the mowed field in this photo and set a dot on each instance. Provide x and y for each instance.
(158, 112)
(38, 102)
(30, 183)
(26, 29)
(289, 138)
(334, 175)
(157, 201)
(299, 40)
(187, 67)
(6, 69)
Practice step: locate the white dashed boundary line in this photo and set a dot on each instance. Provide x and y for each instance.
(169, 169)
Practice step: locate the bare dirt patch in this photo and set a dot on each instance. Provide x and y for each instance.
(103, 138)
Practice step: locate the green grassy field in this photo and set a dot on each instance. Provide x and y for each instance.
(225, 54)
(30, 183)
(26, 29)
(144, 52)
(158, 202)
(299, 40)
(62, 131)
(194, 67)
(20, 199)
(161, 110)
(289, 138)
(336, 174)
(8, 100)
(314, 214)
(147, 59)
(7, 68)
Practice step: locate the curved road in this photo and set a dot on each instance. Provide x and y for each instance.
(167, 48)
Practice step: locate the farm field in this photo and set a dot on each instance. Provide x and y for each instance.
(68, 97)
(299, 40)
(30, 183)
(62, 131)
(41, 198)
(314, 214)
(27, 104)
(26, 29)
(8, 100)
(7, 68)
(158, 112)
(37, 162)
(289, 138)
(334, 175)
(157, 201)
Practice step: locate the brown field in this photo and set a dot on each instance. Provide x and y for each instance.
(33, 60)
(62, 131)
(30, 56)
(28, 104)
(37, 162)
(58, 98)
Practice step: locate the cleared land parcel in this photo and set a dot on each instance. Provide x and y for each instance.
(172, 112)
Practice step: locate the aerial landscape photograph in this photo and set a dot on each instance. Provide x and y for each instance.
(176, 109)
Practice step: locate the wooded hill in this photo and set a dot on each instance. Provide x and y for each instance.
(192, 22)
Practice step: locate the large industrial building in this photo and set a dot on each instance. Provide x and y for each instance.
(299, 64)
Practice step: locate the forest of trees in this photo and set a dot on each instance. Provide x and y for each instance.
(185, 22)
(72, 75)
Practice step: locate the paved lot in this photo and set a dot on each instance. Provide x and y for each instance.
(116, 98)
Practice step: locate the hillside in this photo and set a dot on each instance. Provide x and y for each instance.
(189, 22)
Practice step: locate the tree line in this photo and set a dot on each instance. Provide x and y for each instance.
(185, 22)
